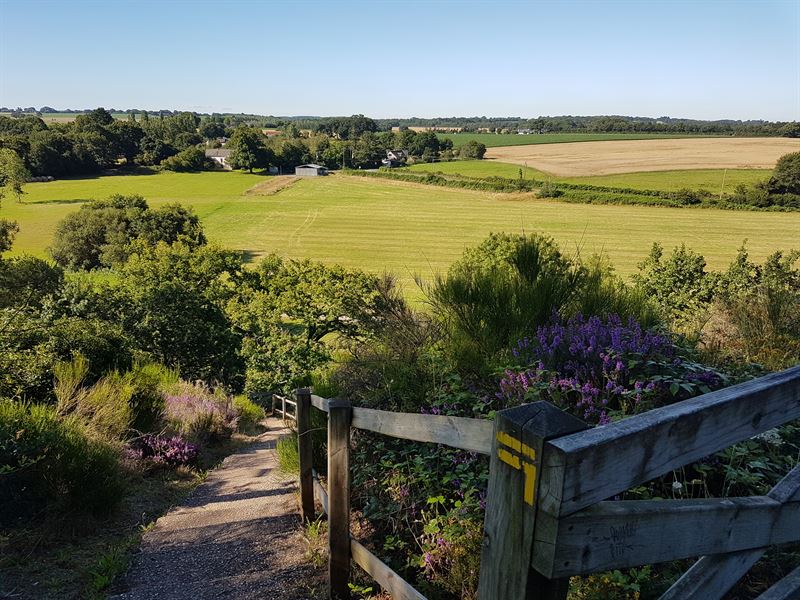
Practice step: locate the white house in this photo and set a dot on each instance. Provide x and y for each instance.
(220, 157)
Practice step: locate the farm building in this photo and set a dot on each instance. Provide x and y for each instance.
(220, 157)
(310, 170)
(395, 158)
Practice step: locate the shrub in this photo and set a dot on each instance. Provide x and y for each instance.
(549, 190)
(47, 460)
(105, 407)
(288, 454)
(678, 284)
(198, 414)
(147, 401)
(100, 233)
(250, 413)
(504, 286)
(163, 450)
(786, 175)
(599, 369)
(191, 159)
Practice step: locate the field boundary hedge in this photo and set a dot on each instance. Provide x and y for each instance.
(570, 192)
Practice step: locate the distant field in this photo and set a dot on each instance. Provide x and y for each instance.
(610, 157)
(669, 181)
(493, 140)
(405, 228)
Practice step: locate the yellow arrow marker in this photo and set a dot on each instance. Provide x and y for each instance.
(530, 482)
(508, 458)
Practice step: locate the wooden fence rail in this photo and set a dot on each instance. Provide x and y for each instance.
(548, 516)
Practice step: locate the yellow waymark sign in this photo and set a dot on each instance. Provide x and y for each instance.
(520, 456)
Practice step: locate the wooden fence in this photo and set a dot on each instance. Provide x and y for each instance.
(547, 515)
(279, 404)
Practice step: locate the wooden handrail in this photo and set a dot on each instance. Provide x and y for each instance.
(398, 587)
(587, 467)
(548, 517)
(474, 435)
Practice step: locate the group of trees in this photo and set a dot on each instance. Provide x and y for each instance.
(95, 141)
(171, 298)
(781, 190)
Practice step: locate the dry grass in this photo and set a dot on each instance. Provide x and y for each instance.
(634, 156)
(271, 186)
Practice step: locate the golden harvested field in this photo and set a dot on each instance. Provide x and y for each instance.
(634, 156)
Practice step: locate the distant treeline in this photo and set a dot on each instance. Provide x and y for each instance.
(556, 124)
(603, 124)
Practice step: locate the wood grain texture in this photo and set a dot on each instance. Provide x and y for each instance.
(305, 451)
(585, 468)
(712, 576)
(380, 572)
(511, 516)
(319, 402)
(474, 435)
(787, 588)
(339, 499)
(616, 535)
(320, 494)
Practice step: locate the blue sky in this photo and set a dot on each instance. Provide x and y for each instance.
(702, 59)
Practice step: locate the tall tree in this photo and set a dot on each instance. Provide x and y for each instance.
(13, 173)
(247, 149)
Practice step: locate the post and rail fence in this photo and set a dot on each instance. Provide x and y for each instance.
(548, 516)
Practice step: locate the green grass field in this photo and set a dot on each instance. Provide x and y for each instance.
(408, 229)
(492, 140)
(708, 179)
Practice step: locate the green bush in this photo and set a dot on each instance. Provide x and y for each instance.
(288, 454)
(191, 159)
(147, 400)
(47, 460)
(250, 413)
(104, 407)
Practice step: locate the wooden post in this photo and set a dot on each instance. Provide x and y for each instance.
(339, 416)
(512, 503)
(283, 408)
(305, 451)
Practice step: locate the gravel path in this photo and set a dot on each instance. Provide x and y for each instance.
(236, 536)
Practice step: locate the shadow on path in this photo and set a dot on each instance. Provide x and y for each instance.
(236, 536)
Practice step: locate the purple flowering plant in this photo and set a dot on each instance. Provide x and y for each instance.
(602, 369)
(196, 413)
(162, 449)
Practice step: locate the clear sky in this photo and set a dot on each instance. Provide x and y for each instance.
(394, 58)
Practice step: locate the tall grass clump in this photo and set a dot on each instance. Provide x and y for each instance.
(288, 454)
(47, 459)
(510, 283)
(198, 414)
(104, 407)
(250, 413)
(147, 400)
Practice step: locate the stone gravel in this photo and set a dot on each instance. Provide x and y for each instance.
(236, 536)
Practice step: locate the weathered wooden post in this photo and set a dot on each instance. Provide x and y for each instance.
(512, 503)
(339, 416)
(305, 451)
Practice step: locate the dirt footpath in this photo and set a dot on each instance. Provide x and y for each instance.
(236, 536)
(576, 159)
